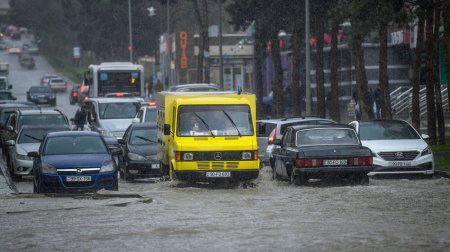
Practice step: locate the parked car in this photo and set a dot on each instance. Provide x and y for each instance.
(197, 87)
(6, 95)
(41, 95)
(397, 147)
(31, 48)
(111, 116)
(57, 84)
(27, 61)
(3, 45)
(139, 149)
(74, 161)
(321, 151)
(14, 49)
(270, 129)
(7, 109)
(19, 118)
(28, 139)
(147, 113)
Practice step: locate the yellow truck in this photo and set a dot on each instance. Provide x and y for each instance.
(207, 136)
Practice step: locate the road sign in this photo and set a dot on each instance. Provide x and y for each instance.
(76, 52)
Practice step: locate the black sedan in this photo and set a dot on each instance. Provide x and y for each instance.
(41, 95)
(139, 148)
(321, 151)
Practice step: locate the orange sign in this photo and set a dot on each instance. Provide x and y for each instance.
(183, 46)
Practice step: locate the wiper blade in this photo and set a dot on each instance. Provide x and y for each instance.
(146, 139)
(204, 123)
(232, 122)
(34, 138)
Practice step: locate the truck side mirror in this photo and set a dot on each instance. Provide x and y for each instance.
(166, 129)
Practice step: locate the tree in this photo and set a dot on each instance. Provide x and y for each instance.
(201, 14)
(415, 114)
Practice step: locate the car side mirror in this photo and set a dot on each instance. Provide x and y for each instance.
(33, 154)
(425, 136)
(135, 120)
(116, 151)
(166, 129)
(121, 141)
(9, 127)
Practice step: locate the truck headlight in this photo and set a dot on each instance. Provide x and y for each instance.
(48, 169)
(136, 157)
(247, 155)
(188, 156)
(107, 167)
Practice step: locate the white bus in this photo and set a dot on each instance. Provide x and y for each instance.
(111, 79)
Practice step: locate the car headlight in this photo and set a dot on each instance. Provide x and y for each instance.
(52, 97)
(106, 133)
(48, 169)
(136, 157)
(427, 151)
(246, 155)
(22, 157)
(107, 167)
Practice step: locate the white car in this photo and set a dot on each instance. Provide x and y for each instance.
(396, 146)
(147, 113)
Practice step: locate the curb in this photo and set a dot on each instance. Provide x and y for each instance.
(444, 174)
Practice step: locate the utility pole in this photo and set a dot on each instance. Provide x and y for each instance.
(307, 61)
(169, 42)
(130, 42)
(220, 45)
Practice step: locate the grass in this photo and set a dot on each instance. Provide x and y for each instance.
(442, 163)
(67, 67)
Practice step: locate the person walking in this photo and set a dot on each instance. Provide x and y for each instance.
(159, 87)
(81, 117)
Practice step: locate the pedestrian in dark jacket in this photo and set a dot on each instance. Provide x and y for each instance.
(80, 117)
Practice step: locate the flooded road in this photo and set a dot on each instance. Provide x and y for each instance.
(386, 215)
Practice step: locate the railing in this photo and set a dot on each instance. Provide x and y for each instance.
(423, 101)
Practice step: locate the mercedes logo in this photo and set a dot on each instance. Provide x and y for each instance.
(218, 156)
(79, 171)
(399, 155)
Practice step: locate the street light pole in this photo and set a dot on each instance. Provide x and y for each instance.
(130, 43)
(220, 45)
(307, 61)
(169, 72)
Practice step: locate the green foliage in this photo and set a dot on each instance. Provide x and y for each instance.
(442, 163)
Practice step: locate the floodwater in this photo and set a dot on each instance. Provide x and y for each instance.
(386, 215)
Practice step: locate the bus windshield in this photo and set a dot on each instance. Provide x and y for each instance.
(119, 82)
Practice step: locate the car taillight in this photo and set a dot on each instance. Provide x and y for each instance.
(119, 94)
(305, 163)
(65, 84)
(75, 94)
(152, 103)
(361, 161)
(272, 136)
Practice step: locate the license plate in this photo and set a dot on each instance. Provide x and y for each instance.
(218, 174)
(78, 178)
(399, 163)
(155, 166)
(335, 162)
(42, 100)
(133, 171)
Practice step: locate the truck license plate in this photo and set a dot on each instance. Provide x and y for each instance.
(218, 174)
(78, 178)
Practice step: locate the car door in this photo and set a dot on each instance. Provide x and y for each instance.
(284, 152)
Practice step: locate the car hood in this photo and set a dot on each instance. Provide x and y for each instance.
(27, 147)
(395, 145)
(76, 160)
(149, 150)
(116, 124)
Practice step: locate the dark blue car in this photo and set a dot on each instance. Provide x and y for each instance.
(74, 161)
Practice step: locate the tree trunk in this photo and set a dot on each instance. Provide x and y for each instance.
(437, 83)
(415, 114)
(278, 82)
(431, 109)
(296, 55)
(446, 43)
(205, 38)
(335, 110)
(361, 78)
(385, 100)
(200, 10)
(320, 79)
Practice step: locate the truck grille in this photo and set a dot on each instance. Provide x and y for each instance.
(217, 165)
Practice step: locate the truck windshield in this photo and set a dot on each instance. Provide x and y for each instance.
(217, 120)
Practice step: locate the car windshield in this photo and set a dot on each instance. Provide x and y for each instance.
(214, 120)
(118, 110)
(5, 96)
(74, 145)
(326, 136)
(42, 89)
(143, 136)
(41, 119)
(34, 135)
(386, 131)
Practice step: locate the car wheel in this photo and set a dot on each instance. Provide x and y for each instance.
(363, 179)
(13, 176)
